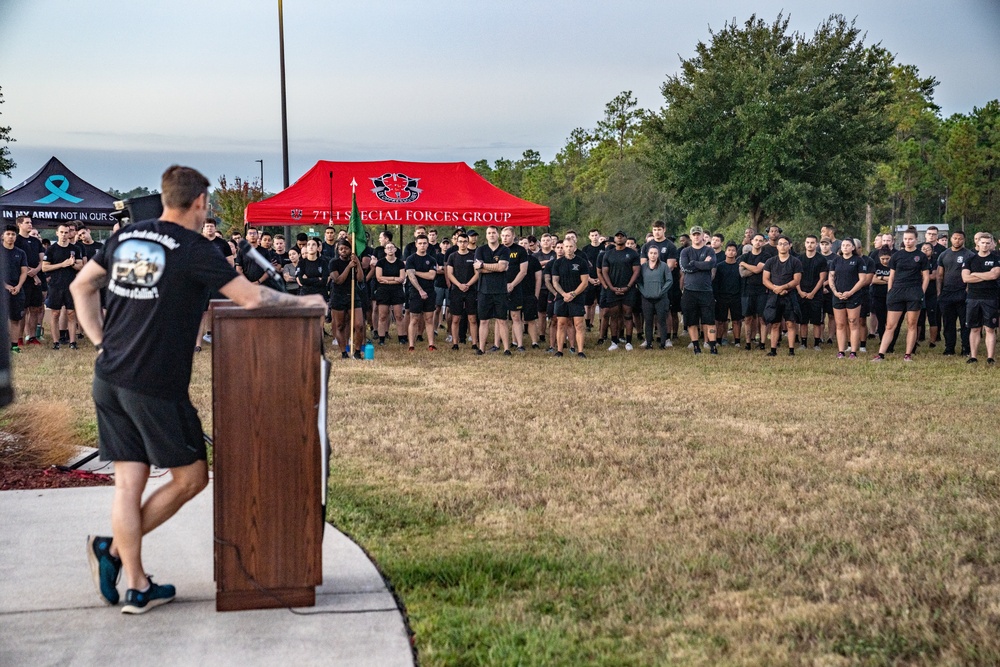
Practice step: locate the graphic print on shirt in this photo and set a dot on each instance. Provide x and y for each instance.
(136, 268)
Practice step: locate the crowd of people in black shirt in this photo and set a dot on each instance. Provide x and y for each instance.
(549, 292)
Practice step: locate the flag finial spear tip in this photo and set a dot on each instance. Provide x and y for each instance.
(354, 184)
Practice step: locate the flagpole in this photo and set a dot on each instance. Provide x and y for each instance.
(354, 275)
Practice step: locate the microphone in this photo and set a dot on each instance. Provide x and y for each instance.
(251, 252)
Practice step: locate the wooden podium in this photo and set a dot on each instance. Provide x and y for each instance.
(269, 477)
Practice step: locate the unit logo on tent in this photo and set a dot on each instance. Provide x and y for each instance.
(396, 188)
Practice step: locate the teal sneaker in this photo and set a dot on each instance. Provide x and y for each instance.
(139, 602)
(104, 567)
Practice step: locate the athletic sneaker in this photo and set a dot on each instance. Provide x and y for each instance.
(991, 361)
(479, 352)
(431, 348)
(55, 346)
(877, 358)
(139, 602)
(411, 349)
(972, 360)
(749, 346)
(772, 353)
(862, 349)
(791, 351)
(644, 344)
(73, 346)
(520, 348)
(558, 354)
(668, 344)
(506, 353)
(602, 341)
(207, 337)
(494, 348)
(841, 355)
(612, 347)
(534, 346)
(581, 355)
(447, 338)
(817, 347)
(34, 341)
(628, 347)
(907, 357)
(14, 348)
(104, 567)
(852, 356)
(455, 346)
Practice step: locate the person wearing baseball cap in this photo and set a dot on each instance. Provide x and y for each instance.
(697, 301)
(620, 270)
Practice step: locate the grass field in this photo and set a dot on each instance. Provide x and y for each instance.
(650, 508)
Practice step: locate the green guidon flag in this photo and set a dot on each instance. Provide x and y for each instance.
(355, 229)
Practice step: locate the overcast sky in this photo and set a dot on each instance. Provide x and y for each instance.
(120, 89)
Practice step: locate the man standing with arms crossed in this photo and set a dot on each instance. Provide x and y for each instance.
(952, 292)
(698, 301)
(143, 370)
(491, 262)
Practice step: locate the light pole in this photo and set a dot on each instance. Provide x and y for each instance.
(261, 161)
(284, 115)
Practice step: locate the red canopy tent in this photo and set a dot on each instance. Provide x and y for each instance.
(391, 192)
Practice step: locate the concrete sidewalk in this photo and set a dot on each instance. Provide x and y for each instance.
(50, 613)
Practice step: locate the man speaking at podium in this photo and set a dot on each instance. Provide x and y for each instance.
(158, 274)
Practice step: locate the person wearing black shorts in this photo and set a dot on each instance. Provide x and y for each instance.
(810, 290)
(879, 290)
(726, 286)
(34, 286)
(981, 274)
(847, 280)
(697, 263)
(390, 274)
(346, 283)
(62, 261)
(782, 274)
(909, 276)
(517, 271)
(930, 316)
(421, 270)
(620, 272)
(491, 263)
(593, 294)
(531, 289)
(16, 265)
(460, 270)
(550, 307)
(570, 277)
(754, 294)
(157, 274)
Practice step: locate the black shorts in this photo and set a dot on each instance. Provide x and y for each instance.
(728, 307)
(530, 312)
(33, 295)
(698, 308)
(543, 301)
(550, 309)
(592, 294)
(390, 295)
(59, 297)
(828, 303)
(782, 309)
(909, 299)
(515, 300)
(462, 304)
(342, 301)
(417, 306)
(980, 313)
(628, 300)
(675, 297)
(15, 308)
(574, 308)
(850, 304)
(492, 306)
(753, 305)
(812, 310)
(145, 429)
(931, 306)
(866, 304)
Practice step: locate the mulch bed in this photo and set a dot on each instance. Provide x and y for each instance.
(27, 477)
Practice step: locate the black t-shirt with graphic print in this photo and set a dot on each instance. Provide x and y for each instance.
(160, 277)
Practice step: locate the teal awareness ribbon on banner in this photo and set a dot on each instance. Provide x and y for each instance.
(58, 191)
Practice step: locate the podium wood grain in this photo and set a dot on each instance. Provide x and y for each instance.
(268, 485)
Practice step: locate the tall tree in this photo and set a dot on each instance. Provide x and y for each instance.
(229, 201)
(6, 164)
(961, 162)
(775, 124)
(621, 122)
